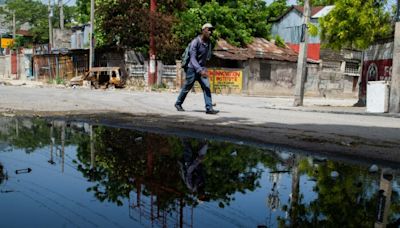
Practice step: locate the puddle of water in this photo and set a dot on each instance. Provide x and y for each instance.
(58, 174)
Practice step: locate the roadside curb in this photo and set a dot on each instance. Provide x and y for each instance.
(393, 115)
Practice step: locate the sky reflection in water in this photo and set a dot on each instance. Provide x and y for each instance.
(97, 176)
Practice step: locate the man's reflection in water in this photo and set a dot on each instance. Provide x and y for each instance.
(384, 200)
(3, 176)
(192, 169)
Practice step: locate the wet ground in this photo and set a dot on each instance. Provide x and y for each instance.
(71, 174)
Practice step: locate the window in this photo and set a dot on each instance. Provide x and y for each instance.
(352, 68)
(265, 71)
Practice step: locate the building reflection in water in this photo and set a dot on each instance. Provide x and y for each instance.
(164, 179)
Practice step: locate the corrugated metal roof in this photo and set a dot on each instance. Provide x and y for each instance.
(224, 50)
(259, 49)
(314, 10)
(323, 12)
(23, 32)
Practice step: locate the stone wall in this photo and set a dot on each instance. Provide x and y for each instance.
(280, 81)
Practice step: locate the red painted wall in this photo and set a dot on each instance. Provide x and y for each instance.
(14, 63)
(313, 50)
(377, 66)
(375, 70)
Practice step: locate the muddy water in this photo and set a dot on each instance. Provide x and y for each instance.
(72, 174)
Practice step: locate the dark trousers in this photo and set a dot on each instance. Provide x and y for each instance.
(191, 78)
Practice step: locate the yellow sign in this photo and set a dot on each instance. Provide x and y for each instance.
(6, 42)
(225, 81)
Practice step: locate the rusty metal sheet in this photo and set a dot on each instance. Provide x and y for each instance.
(260, 48)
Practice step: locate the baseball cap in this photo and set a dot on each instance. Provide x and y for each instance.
(207, 25)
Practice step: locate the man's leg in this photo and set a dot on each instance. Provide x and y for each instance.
(190, 79)
(205, 86)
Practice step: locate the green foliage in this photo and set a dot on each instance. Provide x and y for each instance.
(312, 30)
(349, 200)
(355, 24)
(35, 13)
(236, 21)
(153, 160)
(318, 2)
(127, 162)
(28, 138)
(59, 80)
(279, 41)
(19, 42)
(83, 11)
(276, 9)
(27, 11)
(128, 24)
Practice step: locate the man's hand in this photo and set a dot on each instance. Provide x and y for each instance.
(204, 73)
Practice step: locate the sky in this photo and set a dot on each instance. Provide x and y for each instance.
(72, 2)
(67, 2)
(290, 2)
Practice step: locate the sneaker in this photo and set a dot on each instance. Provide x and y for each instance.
(212, 111)
(179, 108)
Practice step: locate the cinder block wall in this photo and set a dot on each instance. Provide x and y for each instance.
(5, 66)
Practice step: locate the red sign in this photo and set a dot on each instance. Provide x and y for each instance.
(377, 64)
(378, 70)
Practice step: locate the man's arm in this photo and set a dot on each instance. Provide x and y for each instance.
(193, 55)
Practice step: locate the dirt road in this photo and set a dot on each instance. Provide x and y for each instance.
(319, 127)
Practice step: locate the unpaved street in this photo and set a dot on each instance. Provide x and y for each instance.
(320, 126)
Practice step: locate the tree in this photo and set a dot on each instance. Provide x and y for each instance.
(83, 11)
(123, 163)
(32, 12)
(236, 21)
(318, 2)
(276, 9)
(355, 24)
(127, 24)
(35, 13)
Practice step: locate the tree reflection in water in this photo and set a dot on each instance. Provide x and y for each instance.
(151, 165)
(159, 179)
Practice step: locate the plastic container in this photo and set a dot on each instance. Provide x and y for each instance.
(377, 96)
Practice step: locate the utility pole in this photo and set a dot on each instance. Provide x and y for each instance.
(14, 42)
(152, 62)
(394, 102)
(91, 48)
(61, 5)
(50, 26)
(14, 26)
(302, 58)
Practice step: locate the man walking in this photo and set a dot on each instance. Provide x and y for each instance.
(199, 52)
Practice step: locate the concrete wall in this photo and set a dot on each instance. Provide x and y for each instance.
(282, 80)
(5, 66)
(21, 67)
(138, 76)
(62, 39)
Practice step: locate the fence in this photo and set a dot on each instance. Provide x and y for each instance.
(59, 67)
